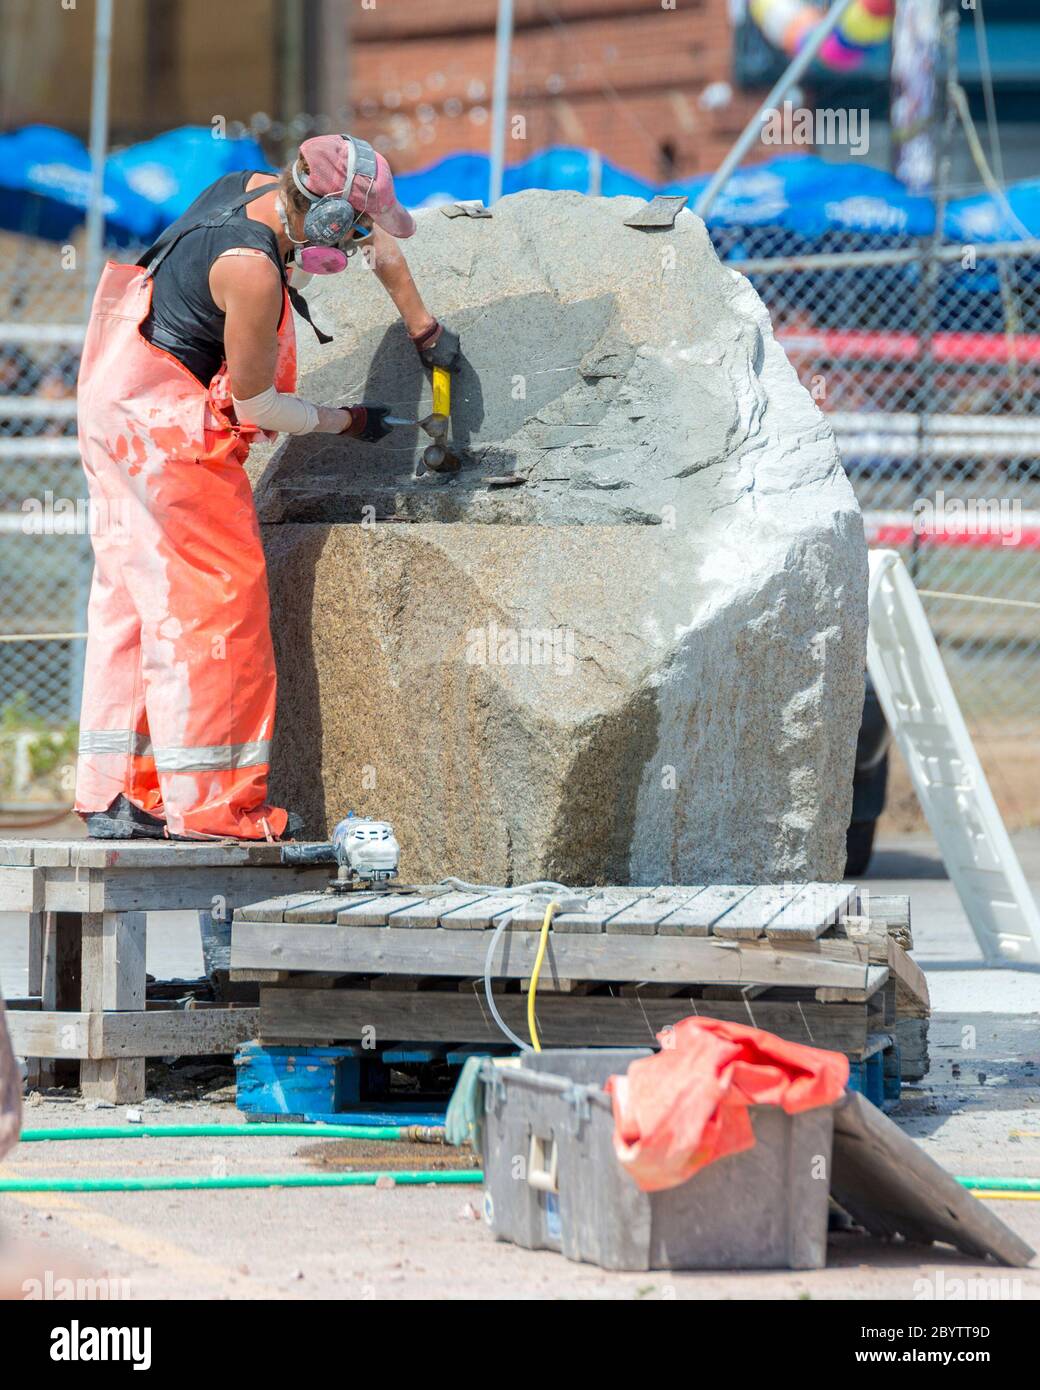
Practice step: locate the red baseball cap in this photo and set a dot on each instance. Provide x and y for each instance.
(345, 164)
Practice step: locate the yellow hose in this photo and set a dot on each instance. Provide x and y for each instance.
(532, 991)
(989, 1196)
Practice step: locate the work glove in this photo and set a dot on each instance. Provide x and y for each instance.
(368, 422)
(438, 346)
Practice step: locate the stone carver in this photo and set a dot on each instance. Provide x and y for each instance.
(189, 355)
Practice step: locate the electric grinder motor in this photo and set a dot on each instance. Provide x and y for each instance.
(365, 850)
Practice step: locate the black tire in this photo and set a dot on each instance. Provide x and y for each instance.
(859, 845)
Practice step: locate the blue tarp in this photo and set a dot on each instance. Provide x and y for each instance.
(984, 218)
(44, 183)
(800, 193)
(45, 189)
(173, 169)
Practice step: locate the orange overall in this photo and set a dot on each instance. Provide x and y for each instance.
(179, 687)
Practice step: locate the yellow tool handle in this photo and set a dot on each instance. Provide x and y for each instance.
(441, 391)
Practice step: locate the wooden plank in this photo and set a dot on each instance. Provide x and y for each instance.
(98, 1038)
(697, 917)
(16, 852)
(52, 854)
(113, 976)
(644, 916)
(912, 1036)
(419, 951)
(274, 909)
(215, 937)
(890, 1186)
(176, 1032)
(325, 908)
(48, 1034)
(174, 854)
(62, 988)
(378, 911)
(892, 910)
(602, 909)
(833, 947)
(816, 907)
(428, 912)
(165, 888)
(293, 1015)
(871, 979)
(38, 1074)
(21, 889)
(487, 912)
(603, 904)
(73, 890)
(39, 852)
(911, 979)
(747, 919)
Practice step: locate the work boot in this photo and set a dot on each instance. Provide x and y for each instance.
(124, 821)
(293, 826)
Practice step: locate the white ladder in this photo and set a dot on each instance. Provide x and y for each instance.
(929, 729)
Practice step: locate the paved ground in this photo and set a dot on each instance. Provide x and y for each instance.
(943, 942)
(977, 1112)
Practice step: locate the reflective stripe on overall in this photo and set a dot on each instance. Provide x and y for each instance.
(179, 687)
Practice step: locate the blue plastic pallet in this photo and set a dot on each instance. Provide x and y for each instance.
(339, 1085)
(878, 1077)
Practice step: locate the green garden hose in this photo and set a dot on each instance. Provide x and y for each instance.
(1001, 1184)
(470, 1176)
(1020, 1188)
(418, 1134)
(402, 1133)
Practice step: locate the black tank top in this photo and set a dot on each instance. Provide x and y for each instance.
(184, 319)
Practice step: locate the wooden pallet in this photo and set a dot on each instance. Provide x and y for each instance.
(85, 902)
(807, 962)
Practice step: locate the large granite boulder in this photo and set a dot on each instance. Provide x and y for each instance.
(625, 641)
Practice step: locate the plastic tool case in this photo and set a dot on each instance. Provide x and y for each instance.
(552, 1180)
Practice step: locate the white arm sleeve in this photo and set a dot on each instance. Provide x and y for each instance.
(274, 410)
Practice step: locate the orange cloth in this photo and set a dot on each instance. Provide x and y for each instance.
(686, 1106)
(179, 685)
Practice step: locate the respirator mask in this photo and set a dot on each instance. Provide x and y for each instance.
(332, 231)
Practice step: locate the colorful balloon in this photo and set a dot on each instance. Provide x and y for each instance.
(787, 25)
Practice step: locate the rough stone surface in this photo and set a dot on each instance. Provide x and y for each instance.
(644, 661)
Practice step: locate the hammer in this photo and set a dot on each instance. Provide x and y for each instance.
(435, 456)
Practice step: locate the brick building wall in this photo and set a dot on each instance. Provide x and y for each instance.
(626, 77)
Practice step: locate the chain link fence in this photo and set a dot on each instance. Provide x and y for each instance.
(926, 360)
(927, 363)
(45, 559)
